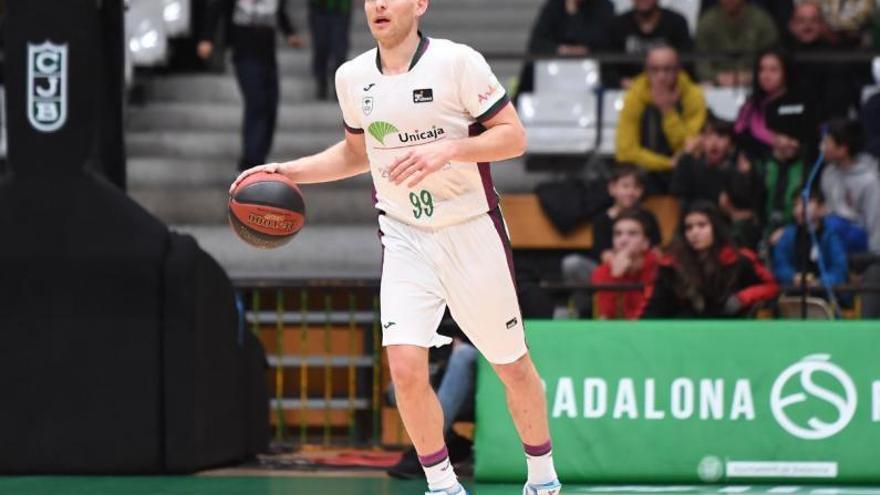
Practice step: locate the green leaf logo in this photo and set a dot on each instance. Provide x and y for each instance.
(381, 129)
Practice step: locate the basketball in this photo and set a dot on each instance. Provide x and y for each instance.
(266, 210)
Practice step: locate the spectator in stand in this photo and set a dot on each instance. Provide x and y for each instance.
(871, 122)
(661, 111)
(832, 86)
(704, 275)
(846, 20)
(774, 109)
(568, 27)
(626, 187)
(782, 173)
(329, 23)
(850, 181)
(702, 173)
(646, 25)
(732, 26)
(252, 37)
(779, 10)
(632, 261)
(740, 199)
(795, 258)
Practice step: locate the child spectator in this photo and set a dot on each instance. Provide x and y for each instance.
(781, 174)
(740, 200)
(795, 257)
(632, 262)
(704, 275)
(851, 182)
(626, 187)
(702, 173)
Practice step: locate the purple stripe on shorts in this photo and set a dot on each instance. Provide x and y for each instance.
(538, 450)
(435, 458)
(498, 221)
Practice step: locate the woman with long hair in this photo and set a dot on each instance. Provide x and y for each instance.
(704, 275)
(771, 81)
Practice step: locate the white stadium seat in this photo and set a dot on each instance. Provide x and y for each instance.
(725, 102)
(559, 123)
(553, 76)
(612, 104)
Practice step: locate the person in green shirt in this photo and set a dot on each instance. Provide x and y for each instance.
(732, 26)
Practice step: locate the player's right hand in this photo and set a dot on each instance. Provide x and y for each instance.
(271, 168)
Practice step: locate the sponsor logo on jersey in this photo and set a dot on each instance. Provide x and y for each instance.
(369, 87)
(47, 86)
(511, 323)
(367, 105)
(379, 130)
(484, 97)
(389, 325)
(432, 134)
(423, 95)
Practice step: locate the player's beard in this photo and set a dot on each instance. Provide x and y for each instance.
(397, 34)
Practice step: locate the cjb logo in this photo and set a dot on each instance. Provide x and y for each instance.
(47, 86)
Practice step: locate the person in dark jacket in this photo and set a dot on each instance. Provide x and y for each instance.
(704, 275)
(702, 172)
(329, 23)
(252, 30)
(795, 257)
(646, 25)
(568, 27)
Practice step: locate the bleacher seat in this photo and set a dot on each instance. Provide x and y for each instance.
(690, 9)
(560, 117)
(817, 308)
(725, 102)
(559, 123)
(612, 104)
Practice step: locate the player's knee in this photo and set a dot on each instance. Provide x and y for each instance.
(515, 372)
(407, 374)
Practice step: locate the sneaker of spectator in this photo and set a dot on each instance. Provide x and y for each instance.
(646, 25)
(662, 110)
(632, 261)
(702, 172)
(851, 182)
(732, 26)
(704, 275)
(796, 258)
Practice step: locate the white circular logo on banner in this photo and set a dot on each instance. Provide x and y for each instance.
(814, 429)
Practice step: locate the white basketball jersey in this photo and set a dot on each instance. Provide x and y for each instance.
(448, 91)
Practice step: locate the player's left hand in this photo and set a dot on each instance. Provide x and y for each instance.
(417, 163)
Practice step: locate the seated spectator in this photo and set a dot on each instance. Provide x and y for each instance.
(846, 19)
(732, 26)
(568, 27)
(632, 261)
(779, 10)
(781, 175)
(871, 123)
(626, 187)
(832, 86)
(646, 25)
(850, 181)
(661, 111)
(740, 200)
(796, 259)
(774, 107)
(701, 173)
(704, 275)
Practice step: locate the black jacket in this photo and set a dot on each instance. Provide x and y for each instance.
(590, 26)
(258, 40)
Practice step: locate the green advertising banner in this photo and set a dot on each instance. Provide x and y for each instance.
(696, 401)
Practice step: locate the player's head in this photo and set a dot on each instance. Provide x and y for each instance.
(391, 21)
(626, 185)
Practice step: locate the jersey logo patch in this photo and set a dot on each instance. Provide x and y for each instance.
(423, 95)
(369, 87)
(511, 323)
(381, 129)
(367, 105)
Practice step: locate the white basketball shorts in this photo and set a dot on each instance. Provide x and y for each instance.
(467, 266)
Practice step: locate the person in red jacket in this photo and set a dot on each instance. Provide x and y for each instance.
(705, 275)
(632, 262)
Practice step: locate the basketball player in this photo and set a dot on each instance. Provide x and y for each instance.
(413, 110)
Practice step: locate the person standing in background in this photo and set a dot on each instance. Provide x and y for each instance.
(330, 22)
(251, 33)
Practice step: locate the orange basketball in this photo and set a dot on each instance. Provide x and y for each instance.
(266, 210)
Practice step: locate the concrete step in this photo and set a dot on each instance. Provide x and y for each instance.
(223, 145)
(218, 88)
(338, 251)
(225, 116)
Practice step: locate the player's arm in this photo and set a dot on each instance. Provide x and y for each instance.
(503, 138)
(344, 159)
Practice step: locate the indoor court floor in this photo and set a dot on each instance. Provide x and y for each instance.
(335, 485)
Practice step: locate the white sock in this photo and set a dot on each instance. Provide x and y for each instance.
(541, 469)
(439, 471)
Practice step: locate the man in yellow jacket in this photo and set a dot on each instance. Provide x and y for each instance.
(662, 110)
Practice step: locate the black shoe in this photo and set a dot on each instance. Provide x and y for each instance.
(460, 448)
(408, 468)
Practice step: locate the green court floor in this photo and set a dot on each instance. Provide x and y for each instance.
(264, 485)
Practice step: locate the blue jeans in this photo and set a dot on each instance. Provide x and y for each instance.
(457, 386)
